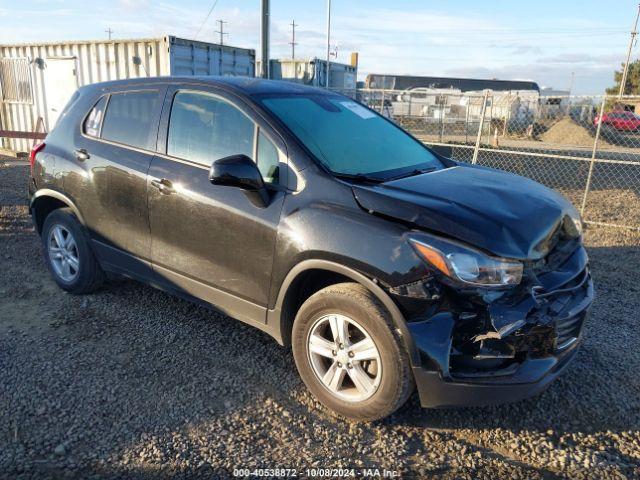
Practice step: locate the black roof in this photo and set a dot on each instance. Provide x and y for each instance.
(406, 82)
(242, 85)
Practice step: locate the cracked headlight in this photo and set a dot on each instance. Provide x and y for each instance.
(466, 264)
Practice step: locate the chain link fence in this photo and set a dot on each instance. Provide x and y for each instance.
(588, 148)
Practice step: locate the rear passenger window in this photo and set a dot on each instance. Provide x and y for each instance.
(129, 118)
(93, 121)
(204, 128)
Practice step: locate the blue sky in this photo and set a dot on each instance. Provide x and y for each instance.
(543, 40)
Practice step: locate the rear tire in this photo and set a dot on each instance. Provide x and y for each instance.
(68, 253)
(368, 345)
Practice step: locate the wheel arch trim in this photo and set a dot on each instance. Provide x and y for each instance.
(397, 317)
(47, 192)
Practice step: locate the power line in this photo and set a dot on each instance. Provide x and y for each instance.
(205, 19)
(221, 31)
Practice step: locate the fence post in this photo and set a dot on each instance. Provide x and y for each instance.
(479, 136)
(593, 156)
(466, 125)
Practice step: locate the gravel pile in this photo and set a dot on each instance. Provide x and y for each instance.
(133, 383)
(568, 132)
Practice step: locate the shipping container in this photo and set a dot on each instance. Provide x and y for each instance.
(314, 72)
(36, 80)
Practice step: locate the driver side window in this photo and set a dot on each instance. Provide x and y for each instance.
(204, 128)
(268, 159)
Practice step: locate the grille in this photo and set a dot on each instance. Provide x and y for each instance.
(568, 330)
(568, 305)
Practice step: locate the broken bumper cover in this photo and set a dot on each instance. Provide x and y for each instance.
(538, 351)
(532, 377)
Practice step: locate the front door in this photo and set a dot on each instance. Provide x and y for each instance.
(60, 82)
(211, 241)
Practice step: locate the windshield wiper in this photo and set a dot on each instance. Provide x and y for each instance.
(412, 173)
(359, 177)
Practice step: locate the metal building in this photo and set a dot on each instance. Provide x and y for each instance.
(36, 80)
(411, 82)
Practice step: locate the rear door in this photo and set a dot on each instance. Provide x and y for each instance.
(113, 153)
(213, 241)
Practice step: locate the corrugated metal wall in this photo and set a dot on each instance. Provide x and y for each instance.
(190, 57)
(95, 62)
(114, 60)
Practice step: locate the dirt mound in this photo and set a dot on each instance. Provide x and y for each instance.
(568, 132)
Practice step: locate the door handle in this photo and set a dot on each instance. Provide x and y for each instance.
(81, 154)
(165, 186)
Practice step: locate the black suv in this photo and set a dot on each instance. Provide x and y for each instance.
(382, 264)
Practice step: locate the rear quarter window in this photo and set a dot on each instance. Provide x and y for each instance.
(93, 120)
(130, 118)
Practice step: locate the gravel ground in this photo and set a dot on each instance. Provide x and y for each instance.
(133, 383)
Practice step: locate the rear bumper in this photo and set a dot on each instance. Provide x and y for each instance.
(533, 377)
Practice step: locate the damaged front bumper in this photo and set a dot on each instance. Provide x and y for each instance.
(493, 348)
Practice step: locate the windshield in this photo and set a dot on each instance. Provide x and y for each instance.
(350, 139)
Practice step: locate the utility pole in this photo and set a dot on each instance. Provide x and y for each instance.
(109, 32)
(264, 39)
(328, 42)
(221, 31)
(573, 77)
(293, 39)
(625, 72)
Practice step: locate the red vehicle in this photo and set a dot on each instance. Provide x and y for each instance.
(621, 120)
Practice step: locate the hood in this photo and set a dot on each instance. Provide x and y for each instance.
(505, 214)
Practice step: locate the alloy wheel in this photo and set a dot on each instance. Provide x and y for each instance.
(63, 253)
(344, 357)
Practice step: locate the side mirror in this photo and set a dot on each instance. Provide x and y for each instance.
(241, 172)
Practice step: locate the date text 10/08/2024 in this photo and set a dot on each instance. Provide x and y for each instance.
(317, 472)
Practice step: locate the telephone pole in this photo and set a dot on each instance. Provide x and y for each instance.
(221, 31)
(264, 38)
(109, 32)
(573, 78)
(293, 39)
(328, 42)
(625, 72)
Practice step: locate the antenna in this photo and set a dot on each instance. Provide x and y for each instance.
(293, 39)
(221, 31)
(109, 32)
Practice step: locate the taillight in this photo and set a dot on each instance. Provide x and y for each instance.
(34, 152)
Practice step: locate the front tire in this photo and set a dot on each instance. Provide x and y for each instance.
(348, 354)
(68, 253)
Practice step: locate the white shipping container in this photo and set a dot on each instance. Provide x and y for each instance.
(314, 72)
(36, 80)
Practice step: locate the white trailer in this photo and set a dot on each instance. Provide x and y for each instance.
(36, 80)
